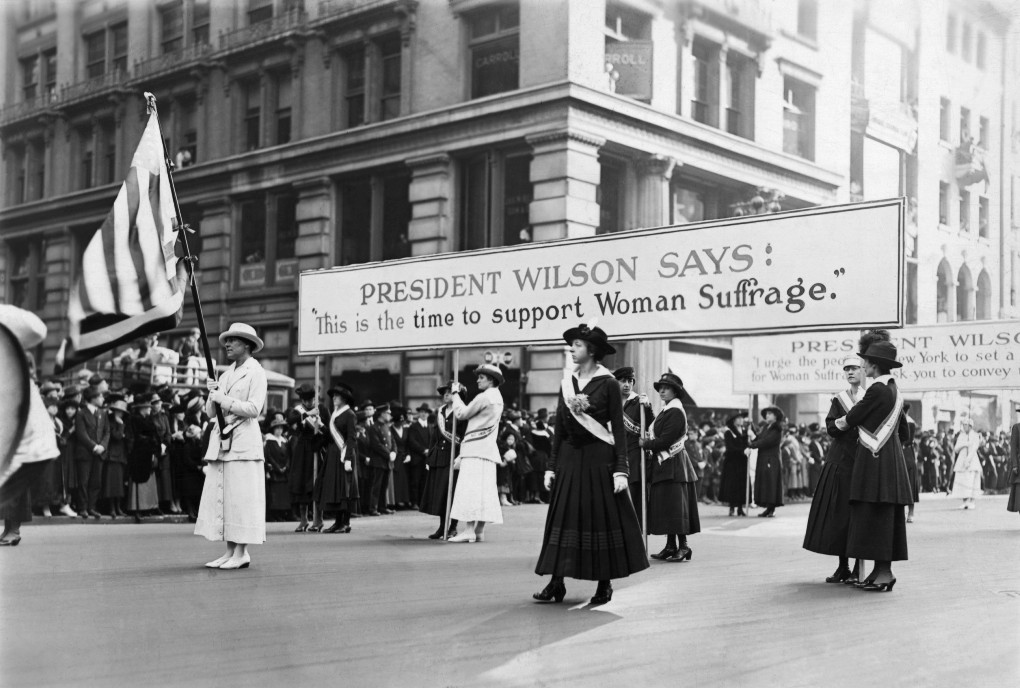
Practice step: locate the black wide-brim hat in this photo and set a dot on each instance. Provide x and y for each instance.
(442, 390)
(343, 391)
(424, 407)
(624, 373)
(882, 352)
(593, 335)
(780, 416)
(669, 380)
(305, 390)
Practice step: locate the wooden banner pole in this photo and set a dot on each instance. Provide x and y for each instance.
(644, 484)
(453, 447)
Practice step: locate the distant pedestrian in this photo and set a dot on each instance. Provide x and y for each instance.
(966, 464)
(733, 485)
(1014, 468)
(768, 474)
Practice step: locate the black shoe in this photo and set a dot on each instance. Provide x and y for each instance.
(438, 534)
(879, 587)
(840, 576)
(666, 553)
(602, 594)
(11, 541)
(554, 592)
(315, 529)
(683, 554)
(451, 533)
(301, 528)
(335, 528)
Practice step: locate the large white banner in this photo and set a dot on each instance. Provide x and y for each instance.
(958, 356)
(769, 273)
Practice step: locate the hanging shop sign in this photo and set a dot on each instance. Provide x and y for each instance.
(952, 357)
(740, 276)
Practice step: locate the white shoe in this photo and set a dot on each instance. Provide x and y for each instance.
(66, 510)
(237, 563)
(216, 563)
(463, 537)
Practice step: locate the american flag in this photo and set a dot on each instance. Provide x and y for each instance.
(129, 283)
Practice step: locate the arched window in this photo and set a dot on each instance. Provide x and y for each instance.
(964, 294)
(984, 296)
(944, 284)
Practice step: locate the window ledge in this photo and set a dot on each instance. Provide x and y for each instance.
(803, 40)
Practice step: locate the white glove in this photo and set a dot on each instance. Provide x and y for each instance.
(407, 459)
(619, 483)
(393, 456)
(348, 467)
(549, 478)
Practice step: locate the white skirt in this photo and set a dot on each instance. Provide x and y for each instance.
(967, 485)
(233, 506)
(476, 497)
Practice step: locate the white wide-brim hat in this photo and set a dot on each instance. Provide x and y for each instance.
(26, 326)
(243, 331)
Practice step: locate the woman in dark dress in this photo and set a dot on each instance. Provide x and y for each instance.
(437, 479)
(673, 497)
(733, 485)
(591, 529)
(115, 460)
(768, 475)
(308, 440)
(910, 459)
(1013, 503)
(879, 486)
(829, 519)
(337, 486)
(277, 452)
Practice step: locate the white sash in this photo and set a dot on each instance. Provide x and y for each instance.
(876, 440)
(441, 424)
(586, 421)
(677, 446)
(479, 434)
(845, 400)
(341, 443)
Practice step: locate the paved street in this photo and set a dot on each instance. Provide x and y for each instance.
(131, 605)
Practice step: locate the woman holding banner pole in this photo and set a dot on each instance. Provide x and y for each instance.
(635, 421)
(768, 473)
(879, 486)
(733, 487)
(829, 520)
(439, 464)
(591, 529)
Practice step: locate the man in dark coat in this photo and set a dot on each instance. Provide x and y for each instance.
(382, 452)
(92, 436)
(417, 443)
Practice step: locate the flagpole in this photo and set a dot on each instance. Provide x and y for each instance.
(453, 445)
(189, 261)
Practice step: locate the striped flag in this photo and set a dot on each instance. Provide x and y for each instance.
(130, 282)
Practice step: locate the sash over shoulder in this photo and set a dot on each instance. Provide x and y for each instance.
(570, 391)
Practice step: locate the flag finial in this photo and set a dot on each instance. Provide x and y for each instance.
(150, 103)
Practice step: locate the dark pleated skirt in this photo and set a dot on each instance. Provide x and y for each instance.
(113, 480)
(878, 532)
(302, 470)
(399, 482)
(278, 495)
(433, 499)
(768, 482)
(636, 495)
(1014, 498)
(733, 484)
(335, 488)
(829, 518)
(591, 533)
(48, 490)
(673, 509)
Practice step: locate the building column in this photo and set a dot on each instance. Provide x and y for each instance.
(685, 68)
(565, 175)
(215, 268)
(430, 229)
(654, 195)
(314, 218)
(56, 290)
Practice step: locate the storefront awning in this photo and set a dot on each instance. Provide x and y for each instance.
(708, 379)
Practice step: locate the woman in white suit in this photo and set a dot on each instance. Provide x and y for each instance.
(477, 497)
(233, 506)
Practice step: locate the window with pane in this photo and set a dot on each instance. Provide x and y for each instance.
(355, 235)
(259, 11)
(807, 19)
(983, 132)
(87, 157)
(964, 210)
(108, 166)
(495, 49)
(983, 217)
(945, 117)
(496, 198)
(396, 216)
(286, 229)
(943, 203)
(740, 72)
(284, 100)
(517, 196)
(200, 23)
(701, 82)
(49, 61)
(981, 50)
(252, 103)
(951, 34)
(964, 125)
(965, 41)
(188, 148)
(30, 77)
(120, 46)
(171, 29)
(609, 195)
(37, 169)
(354, 87)
(389, 100)
(26, 274)
(95, 54)
(19, 163)
(799, 118)
(268, 239)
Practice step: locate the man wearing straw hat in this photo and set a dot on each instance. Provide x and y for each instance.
(233, 506)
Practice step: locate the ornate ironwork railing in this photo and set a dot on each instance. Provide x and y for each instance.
(167, 62)
(270, 28)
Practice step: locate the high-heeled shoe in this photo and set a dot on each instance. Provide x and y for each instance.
(438, 534)
(301, 528)
(315, 529)
(232, 563)
(602, 594)
(682, 554)
(666, 553)
(555, 591)
(879, 587)
(840, 576)
(10, 542)
(862, 583)
(335, 528)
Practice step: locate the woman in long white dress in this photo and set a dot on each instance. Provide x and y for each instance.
(967, 467)
(477, 497)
